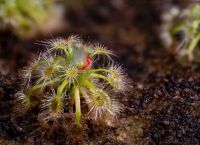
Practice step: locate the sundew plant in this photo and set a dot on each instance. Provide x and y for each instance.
(26, 17)
(188, 26)
(69, 74)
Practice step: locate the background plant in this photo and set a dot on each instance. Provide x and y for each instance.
(70, 79)
(186, 23)
(26, 17)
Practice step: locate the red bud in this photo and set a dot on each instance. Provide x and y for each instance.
(88, 63)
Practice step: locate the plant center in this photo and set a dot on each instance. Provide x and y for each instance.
(99, 100)
(72, 73)
(49, 71)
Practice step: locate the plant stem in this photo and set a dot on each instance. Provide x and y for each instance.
(84, 93)
(102, 70)
(90, 86)
(58, 98)
(99, 76)
(102, 77)
(61, 88)
(77, 105)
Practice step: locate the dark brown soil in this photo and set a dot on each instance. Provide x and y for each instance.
(163, 108)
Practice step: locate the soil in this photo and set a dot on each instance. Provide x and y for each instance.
(164, 103)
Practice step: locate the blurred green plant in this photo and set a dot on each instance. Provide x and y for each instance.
(27, 17)
(187, 24)
(68, 69)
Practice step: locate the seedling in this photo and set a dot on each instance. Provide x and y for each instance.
(189, 28)
(71, 69)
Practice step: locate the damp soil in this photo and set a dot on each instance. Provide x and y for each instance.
(164, 103)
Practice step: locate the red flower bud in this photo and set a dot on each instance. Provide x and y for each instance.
(88, 63)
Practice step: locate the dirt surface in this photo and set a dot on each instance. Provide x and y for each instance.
(163, 106)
